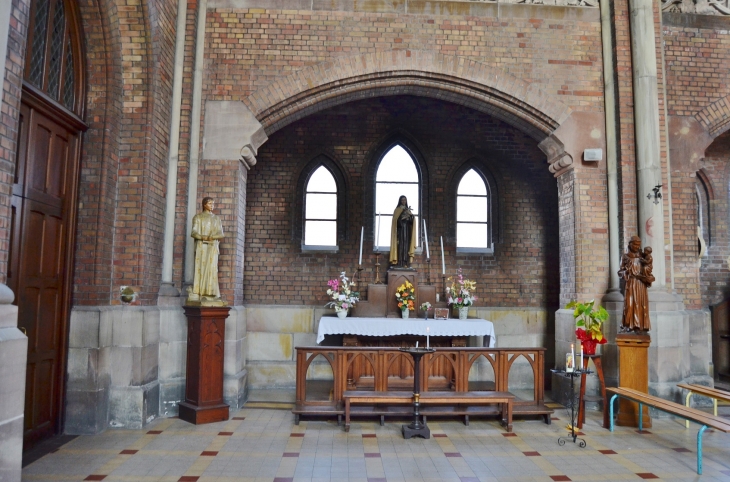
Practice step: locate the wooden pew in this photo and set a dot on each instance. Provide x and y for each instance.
(459, 403)
(691, 414)
(713, 393)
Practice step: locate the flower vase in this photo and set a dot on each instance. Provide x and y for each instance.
(425, 315)
(404, 314)
(589, 347)
(341, 313)
(463, 312)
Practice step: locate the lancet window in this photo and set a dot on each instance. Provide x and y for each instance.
(396, 176)
(320, 209)
(472, 212)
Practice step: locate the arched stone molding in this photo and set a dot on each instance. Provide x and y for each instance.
(410, 72)
(715, 117)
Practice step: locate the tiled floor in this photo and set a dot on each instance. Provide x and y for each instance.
(265, 445)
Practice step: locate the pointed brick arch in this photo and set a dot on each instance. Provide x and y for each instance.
(415, 72)
(715, 117)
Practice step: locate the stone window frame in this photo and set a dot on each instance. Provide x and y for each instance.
(305, 174)
(493, 205)
(416, 152)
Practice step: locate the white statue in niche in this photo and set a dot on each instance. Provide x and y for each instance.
(207, 231)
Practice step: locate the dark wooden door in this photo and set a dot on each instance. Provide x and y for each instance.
(721, 340)
(43, 214)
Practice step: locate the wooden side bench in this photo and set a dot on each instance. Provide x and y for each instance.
(373, 398)
(713, 393)
(691, 414)
(503, 399)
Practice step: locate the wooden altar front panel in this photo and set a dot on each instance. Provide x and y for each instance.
(379, 359)
(361, 374)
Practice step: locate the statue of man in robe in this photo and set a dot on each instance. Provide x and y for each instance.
(636, 270)
(207, 230)
(402, 235)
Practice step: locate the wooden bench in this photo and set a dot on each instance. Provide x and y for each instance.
(713, 393)
(468, 399)
(691, 414)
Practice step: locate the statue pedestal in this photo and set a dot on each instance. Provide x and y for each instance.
(204, 383)
(633, 366)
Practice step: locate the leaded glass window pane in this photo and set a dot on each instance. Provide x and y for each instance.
(38, 49)
(68, 78)
(57, 34)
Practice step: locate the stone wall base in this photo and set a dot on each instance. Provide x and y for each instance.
(127, 365)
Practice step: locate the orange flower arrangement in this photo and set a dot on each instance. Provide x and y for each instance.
(406, 295)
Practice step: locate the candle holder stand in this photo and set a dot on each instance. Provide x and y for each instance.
(428, 271)
(417, 427)
(358, 275)
(571, 404)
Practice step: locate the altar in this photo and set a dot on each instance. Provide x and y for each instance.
(396, 333)
(389, 327)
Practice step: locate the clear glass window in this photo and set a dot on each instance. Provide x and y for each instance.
(397, 176)
(472, 212)
(320, 209)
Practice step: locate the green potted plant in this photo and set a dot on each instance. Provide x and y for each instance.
(589, 323)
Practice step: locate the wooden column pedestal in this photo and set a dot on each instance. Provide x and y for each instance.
(633, 365)
(204, 373)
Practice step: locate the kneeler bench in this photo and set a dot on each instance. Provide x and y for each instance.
(451, 403)
(687, 413)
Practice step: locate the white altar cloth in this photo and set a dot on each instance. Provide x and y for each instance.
(331, 325)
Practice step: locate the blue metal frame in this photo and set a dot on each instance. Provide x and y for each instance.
(699, 434)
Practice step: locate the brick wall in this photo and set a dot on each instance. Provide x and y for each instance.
(697, 59)
(124, 163)
(99, 159)
(715, 272)
(697, 56)
(247, 49)
(523, 271)
(10, 110)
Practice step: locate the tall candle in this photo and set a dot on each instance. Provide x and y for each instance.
(581, 357)
(425, 236)
(443, 264)
(362, 231)
(572, 356)
(428, 332)
(377, 234)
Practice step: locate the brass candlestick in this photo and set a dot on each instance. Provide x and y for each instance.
(358, 274)
(377, 268)
(428, 271)
(443, 280)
